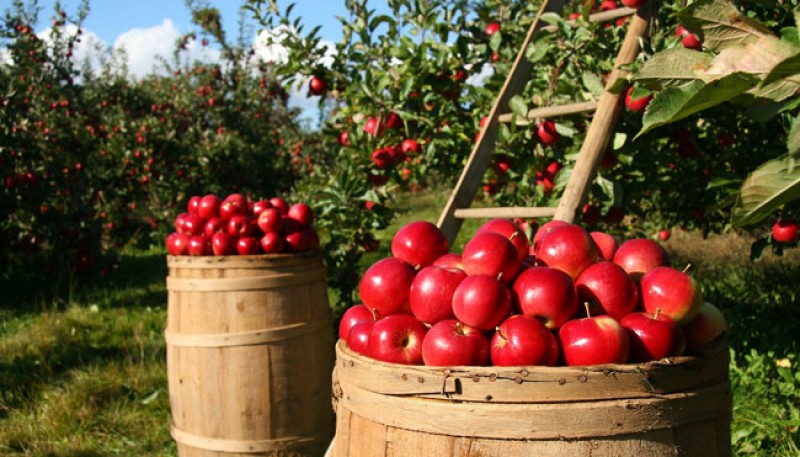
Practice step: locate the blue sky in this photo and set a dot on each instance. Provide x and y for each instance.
(109, 18)
(149, 28)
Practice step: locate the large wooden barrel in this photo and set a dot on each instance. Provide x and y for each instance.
(249, 355)
(675, 407)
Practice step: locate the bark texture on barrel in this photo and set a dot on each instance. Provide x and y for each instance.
(677, 407)
(249, 354)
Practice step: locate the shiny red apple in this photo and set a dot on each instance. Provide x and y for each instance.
(546, 294)
(707, 326)
(607, 289)
(353, 316)
(593, 341)
(637, 256)
(606, 244)
(510, 230)
(431, 295)
(674, 292)
(492, 254)
(653, 336)
(481, 301)
(523, 340)
(397, 339)
(419, 243)
(452, 343)
(568, 248)
(386, 285)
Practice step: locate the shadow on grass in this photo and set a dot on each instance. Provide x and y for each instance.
(135, 280)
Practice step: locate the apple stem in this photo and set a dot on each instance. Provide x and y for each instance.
(587, 305)
(687, 267)
(459, 328)
(513, 235)
(374, 314)
(657, 313)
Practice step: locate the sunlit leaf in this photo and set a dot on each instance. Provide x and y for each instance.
(766, 189)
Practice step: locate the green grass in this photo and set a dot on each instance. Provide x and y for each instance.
(86, 375)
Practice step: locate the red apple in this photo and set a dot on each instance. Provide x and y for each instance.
(302, 213)
(449, 260)
(637, 256)
(354, 315)
(240, 225)
(410, 146)
(594, 341)
(688, 39)
(633, 3)
(270, 220)
(547, 133)
(316, 86)
(606, 244)
(653, 336)
(358, 338)
(451, 343)
(706, 327)
(248, 245)
(607, 289)
(663, 235)
(523, 340)
(492, 28)
(510, 230)
(281, 204)
(608, 5)
(178, 243)
(568, 248)
(481, 301)
(272, 243)
(546, 294)
(258, 207)
(674, 292)
(192, 225)
(431, 294)
(545, 229)
(397, 339)
(785, 231)
(302, 240)
(419, 243)
(638, 104)
(199, 245)
(214, 225)
(492, 254)
(372, 126)
(223, 244)
(289, 225)
(386, 285)
(208, 207)
(232, 207)
(193, 204)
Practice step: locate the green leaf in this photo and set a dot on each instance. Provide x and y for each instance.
(674, 103)
(788, 67)
(770, 186)
(720, 24)
(592, 83)
(672, 67)
(793, 140)
(495, 41)
(518, 106)
(791, 34)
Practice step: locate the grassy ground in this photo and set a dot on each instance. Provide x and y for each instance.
(86, 376)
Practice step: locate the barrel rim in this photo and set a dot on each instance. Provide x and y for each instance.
(254, 260)
(469, 371)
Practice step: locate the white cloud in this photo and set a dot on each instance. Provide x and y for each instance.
(144, 47)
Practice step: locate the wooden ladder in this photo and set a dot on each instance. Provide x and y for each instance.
(607, 110)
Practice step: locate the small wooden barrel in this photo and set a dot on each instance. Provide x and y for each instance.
(675, 407)
(249, 355)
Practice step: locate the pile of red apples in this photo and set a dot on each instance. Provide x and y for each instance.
(236, 225)
(566, 297)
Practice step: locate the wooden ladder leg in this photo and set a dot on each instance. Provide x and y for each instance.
(481, 154)
(602, 126)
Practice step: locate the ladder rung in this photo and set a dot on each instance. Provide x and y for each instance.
(508, 212)
(553, 111)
